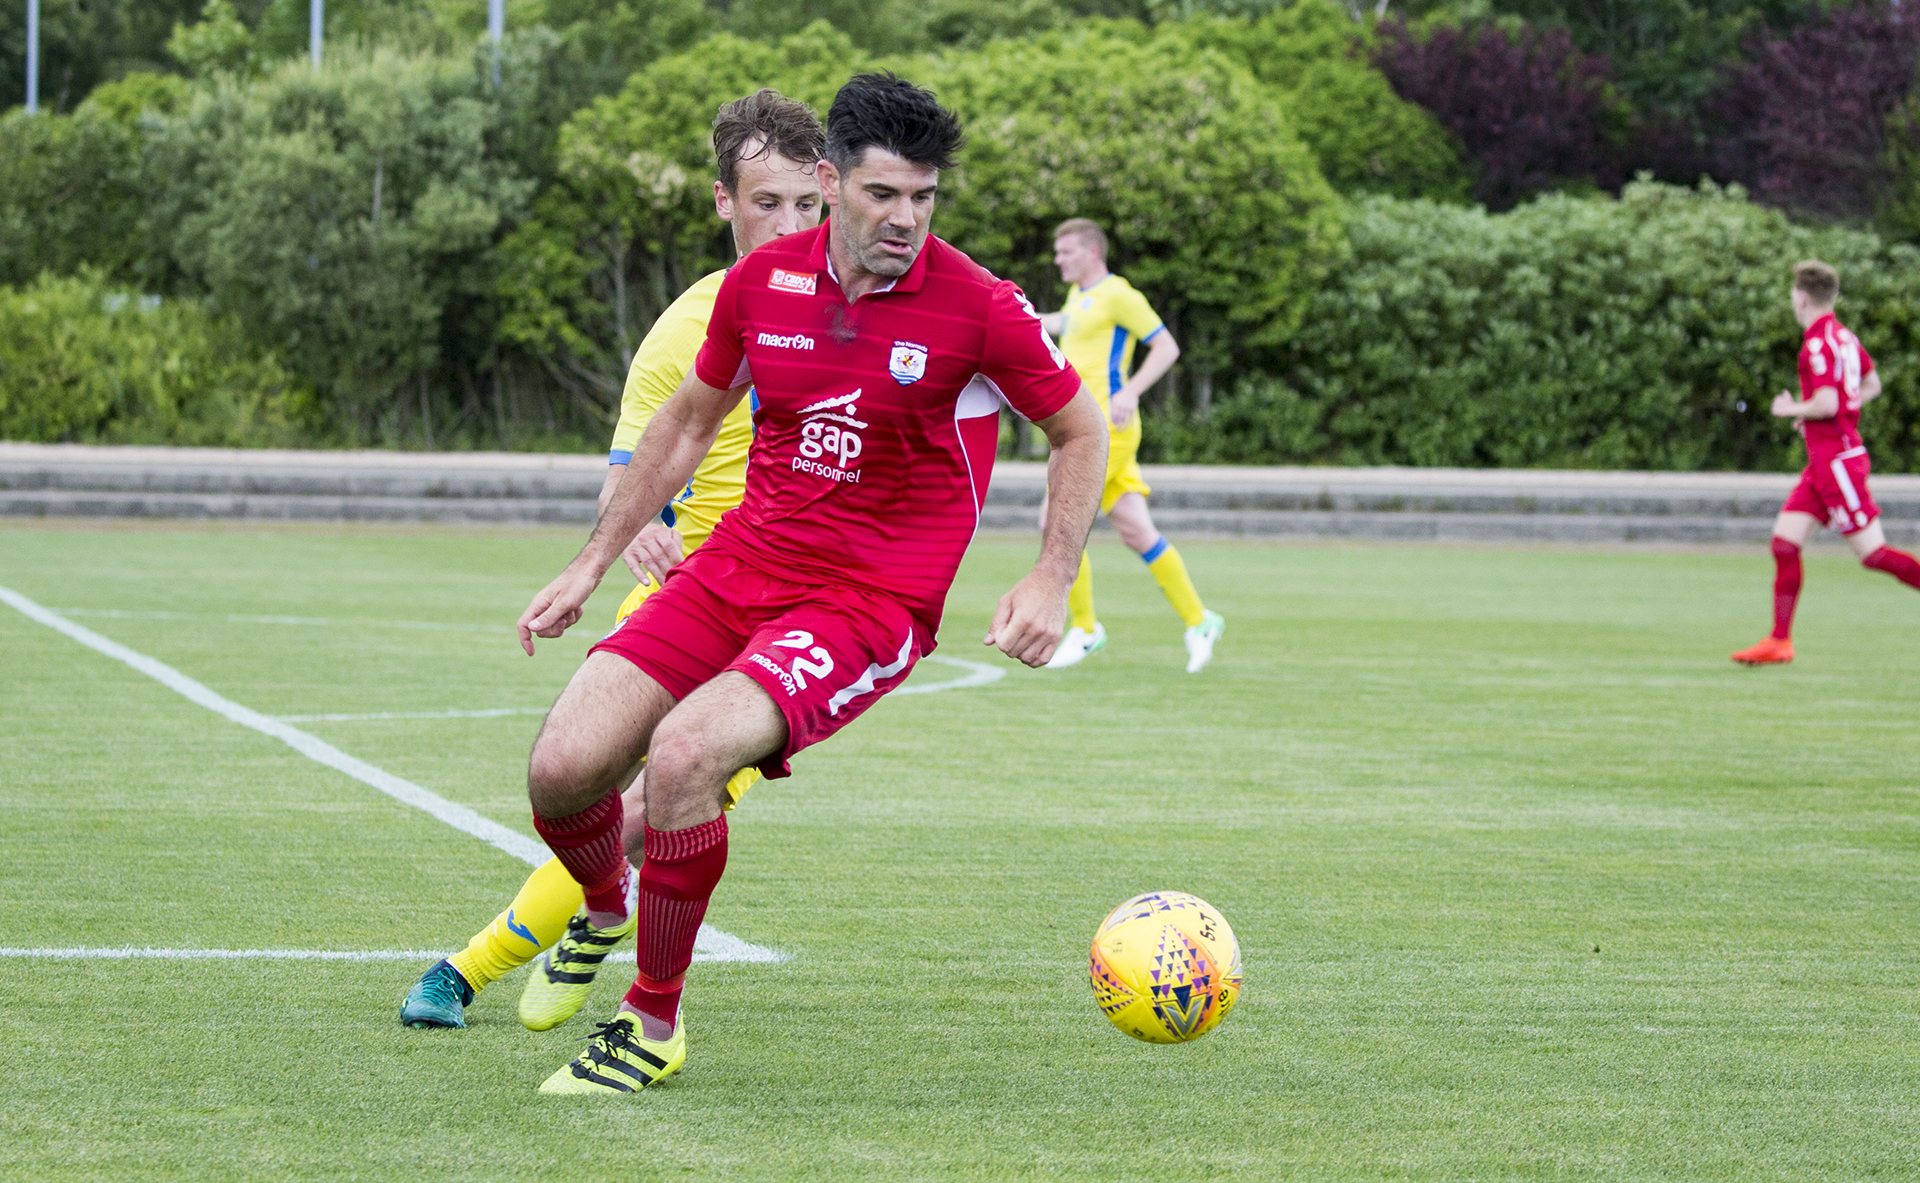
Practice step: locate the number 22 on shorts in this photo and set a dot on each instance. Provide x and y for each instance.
(819, 667)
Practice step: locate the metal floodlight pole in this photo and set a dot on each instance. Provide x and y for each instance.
(496, 29)
(316, 29)
(33, 56)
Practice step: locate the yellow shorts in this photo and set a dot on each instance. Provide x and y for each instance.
(1123, 466)
(743, 779)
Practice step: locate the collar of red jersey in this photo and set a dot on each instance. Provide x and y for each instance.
(822, 260)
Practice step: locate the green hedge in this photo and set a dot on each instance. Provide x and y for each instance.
(83, 362)
(1646, 332)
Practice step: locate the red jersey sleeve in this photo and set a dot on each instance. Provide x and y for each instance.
(721, 362)
(1021, 359)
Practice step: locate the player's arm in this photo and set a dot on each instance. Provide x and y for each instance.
(1028, 623)
(676, 440)
(1870, 386)
(1162, 352)
(1054, 323)
(1824, 404)
(656, 549)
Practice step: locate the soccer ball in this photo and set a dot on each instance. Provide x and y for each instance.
(1165, 967)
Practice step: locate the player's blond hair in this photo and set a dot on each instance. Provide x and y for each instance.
(1086, 230)
(1819, 281)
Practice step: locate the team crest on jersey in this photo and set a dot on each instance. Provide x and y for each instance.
(798, 283)
(907, 363)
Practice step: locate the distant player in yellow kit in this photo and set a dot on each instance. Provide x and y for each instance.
(1103, 318)
(766, 147)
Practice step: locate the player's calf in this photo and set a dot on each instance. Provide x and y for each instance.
(1897, 563)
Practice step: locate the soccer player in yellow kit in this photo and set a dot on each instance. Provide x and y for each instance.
(1103, 318)
(766, 146)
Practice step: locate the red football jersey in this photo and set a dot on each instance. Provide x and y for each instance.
(875, 423)
(1830, 355)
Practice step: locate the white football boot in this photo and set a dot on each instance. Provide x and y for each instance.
(1078, 645)
(1200, 639)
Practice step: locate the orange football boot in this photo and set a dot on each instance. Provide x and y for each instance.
(1770, 651)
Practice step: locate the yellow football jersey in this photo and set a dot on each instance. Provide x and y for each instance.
(658, 368)
(1102, 325)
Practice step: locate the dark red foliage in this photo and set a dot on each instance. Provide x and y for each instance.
(1802, 123)
(1529, 112)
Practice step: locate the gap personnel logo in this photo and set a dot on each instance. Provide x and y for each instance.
(830, 438)
(907, 363)
(797, 341)
(791, 281)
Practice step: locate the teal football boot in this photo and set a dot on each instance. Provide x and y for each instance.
(438, 999)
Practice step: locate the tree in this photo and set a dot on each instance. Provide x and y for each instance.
(1530, 109)
(1804, 123)
(1215, 208)
(72, 189)
(347, 218)
(630, 223)
(1315, 57)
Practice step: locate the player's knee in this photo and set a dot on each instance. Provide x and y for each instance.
(556, 779)
(679, 759)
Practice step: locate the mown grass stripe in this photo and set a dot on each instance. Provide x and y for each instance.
(710, 945)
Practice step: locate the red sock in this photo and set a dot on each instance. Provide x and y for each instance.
(588, 846)
(677, 879)
(1786, 587)
(1897, 563)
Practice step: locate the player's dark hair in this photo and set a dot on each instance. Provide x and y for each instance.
(1819, 281)
(880, 110)
(764, 123)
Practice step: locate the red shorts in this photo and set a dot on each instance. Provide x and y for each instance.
(823, 654)
(1834, 489)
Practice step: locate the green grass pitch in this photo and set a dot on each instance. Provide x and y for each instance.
(1532, 882)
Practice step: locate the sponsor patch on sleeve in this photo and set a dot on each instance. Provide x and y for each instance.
(799, 283)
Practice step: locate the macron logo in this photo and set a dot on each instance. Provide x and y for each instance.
(797, 341)
(791, 281)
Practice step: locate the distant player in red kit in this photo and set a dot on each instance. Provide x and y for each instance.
(878, 356)
(1837, 378)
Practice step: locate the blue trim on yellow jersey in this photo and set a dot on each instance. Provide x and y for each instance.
(1153, 334)
(1120, 336)
(618, 457)
(1156, 550)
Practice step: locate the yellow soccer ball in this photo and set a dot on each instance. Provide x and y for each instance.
(1165, 967)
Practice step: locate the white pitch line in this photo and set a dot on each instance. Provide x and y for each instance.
(981, 675)
(499, 713)
(710, 940)
(131, 953)
(315, 621)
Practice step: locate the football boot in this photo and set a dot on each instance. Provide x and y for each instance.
(438, 999)
(619, 1060)
(1077, 646)
(1200, 639)
(560, 980)
(1770, 651)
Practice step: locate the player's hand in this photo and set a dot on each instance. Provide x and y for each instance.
(653, 552)
(1030, 620)
(1783, 405)
(1120, 411)
(557, 607)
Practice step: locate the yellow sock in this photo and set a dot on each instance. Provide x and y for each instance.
(1171, 574)
(1080, 596)
(536, 919)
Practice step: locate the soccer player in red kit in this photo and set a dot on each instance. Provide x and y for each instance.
(1837, 378)
(878, 356)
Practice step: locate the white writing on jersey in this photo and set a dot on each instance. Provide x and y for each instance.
(830, 438)
(796, 341)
